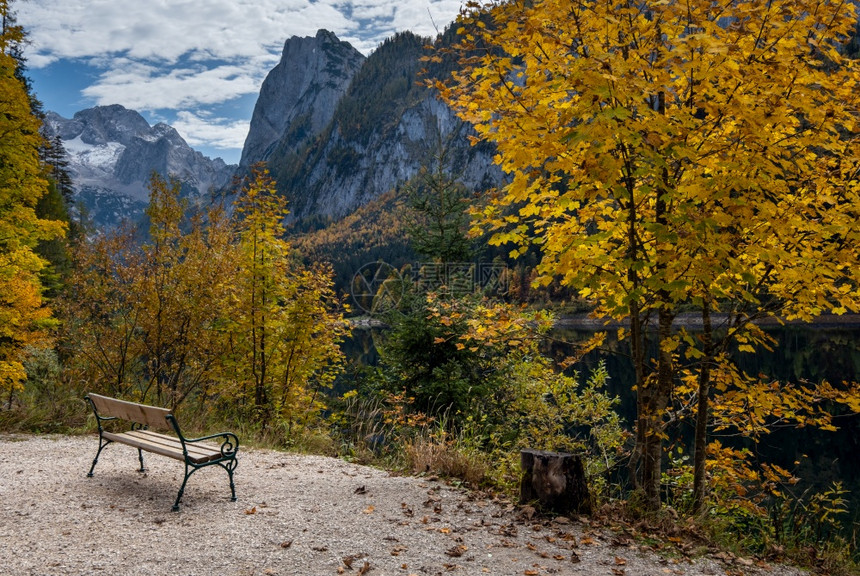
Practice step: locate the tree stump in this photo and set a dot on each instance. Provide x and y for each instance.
(556, 480)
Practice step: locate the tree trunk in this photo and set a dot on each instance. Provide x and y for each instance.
(656, 400)
(700, 445)
(556, 480)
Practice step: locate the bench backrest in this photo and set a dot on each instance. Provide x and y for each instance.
(151, 416)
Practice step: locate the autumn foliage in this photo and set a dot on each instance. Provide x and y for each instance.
(674, 155)
(25, 320)
(211, 310)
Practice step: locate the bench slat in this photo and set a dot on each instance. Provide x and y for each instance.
(142, 414)
(198, 452)
(160, 446)
(143, 444)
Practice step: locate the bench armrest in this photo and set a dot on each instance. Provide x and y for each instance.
(229, 445)
(99, 417)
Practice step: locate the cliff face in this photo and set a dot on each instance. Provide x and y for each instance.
(337, 130)
(112, 154)
(350, 129)
(300, 94)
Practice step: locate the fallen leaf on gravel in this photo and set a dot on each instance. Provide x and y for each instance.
(251, 511)
(319, 548)
(369, 509)
(456, 551)
(558, 557)
(364, 569)
(619, 561)
(286, 543)
(619, 541)
(397, 550)
(360, 490)
(574, 557)
(618, 571)
(348, 560)
(587, 541)
(531, 573)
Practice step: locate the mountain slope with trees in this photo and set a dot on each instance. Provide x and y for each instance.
(386, 125)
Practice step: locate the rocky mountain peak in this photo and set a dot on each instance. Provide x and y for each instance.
(381, 125)
(299, 96)
(114, 123)
(113, 152)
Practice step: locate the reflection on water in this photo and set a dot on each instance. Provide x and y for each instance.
(801, 353)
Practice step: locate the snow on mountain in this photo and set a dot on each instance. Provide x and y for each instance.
(112, 153)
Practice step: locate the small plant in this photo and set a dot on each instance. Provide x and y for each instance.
(45, 403)
(434, 450)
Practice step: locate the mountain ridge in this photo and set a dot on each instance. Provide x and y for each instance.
(112, 154)
(385, 127)
(336, 130)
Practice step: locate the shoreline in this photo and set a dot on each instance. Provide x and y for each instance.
(694, 320)
(686, 320)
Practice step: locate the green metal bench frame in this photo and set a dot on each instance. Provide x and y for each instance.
(196, 453)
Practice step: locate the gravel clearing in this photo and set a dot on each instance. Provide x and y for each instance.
(295, 514)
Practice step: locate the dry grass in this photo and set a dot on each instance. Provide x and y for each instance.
(427, 454)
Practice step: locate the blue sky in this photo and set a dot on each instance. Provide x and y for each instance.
(195, 64)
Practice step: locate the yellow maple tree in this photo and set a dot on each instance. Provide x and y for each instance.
(668, 154)
(283, 319)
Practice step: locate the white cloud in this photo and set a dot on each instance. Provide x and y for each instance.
(165, 31)
(145, 87)
(206, 130)
(424, 17)
(187, 55)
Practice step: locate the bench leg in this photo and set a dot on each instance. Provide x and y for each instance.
(102, 444)
(182, 488)
(230, 466)
(140, 457)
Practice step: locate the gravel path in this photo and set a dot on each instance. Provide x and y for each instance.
(295, 514)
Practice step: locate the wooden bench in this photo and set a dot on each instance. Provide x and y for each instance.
(196, 453)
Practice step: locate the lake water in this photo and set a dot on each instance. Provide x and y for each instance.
(823, 352)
